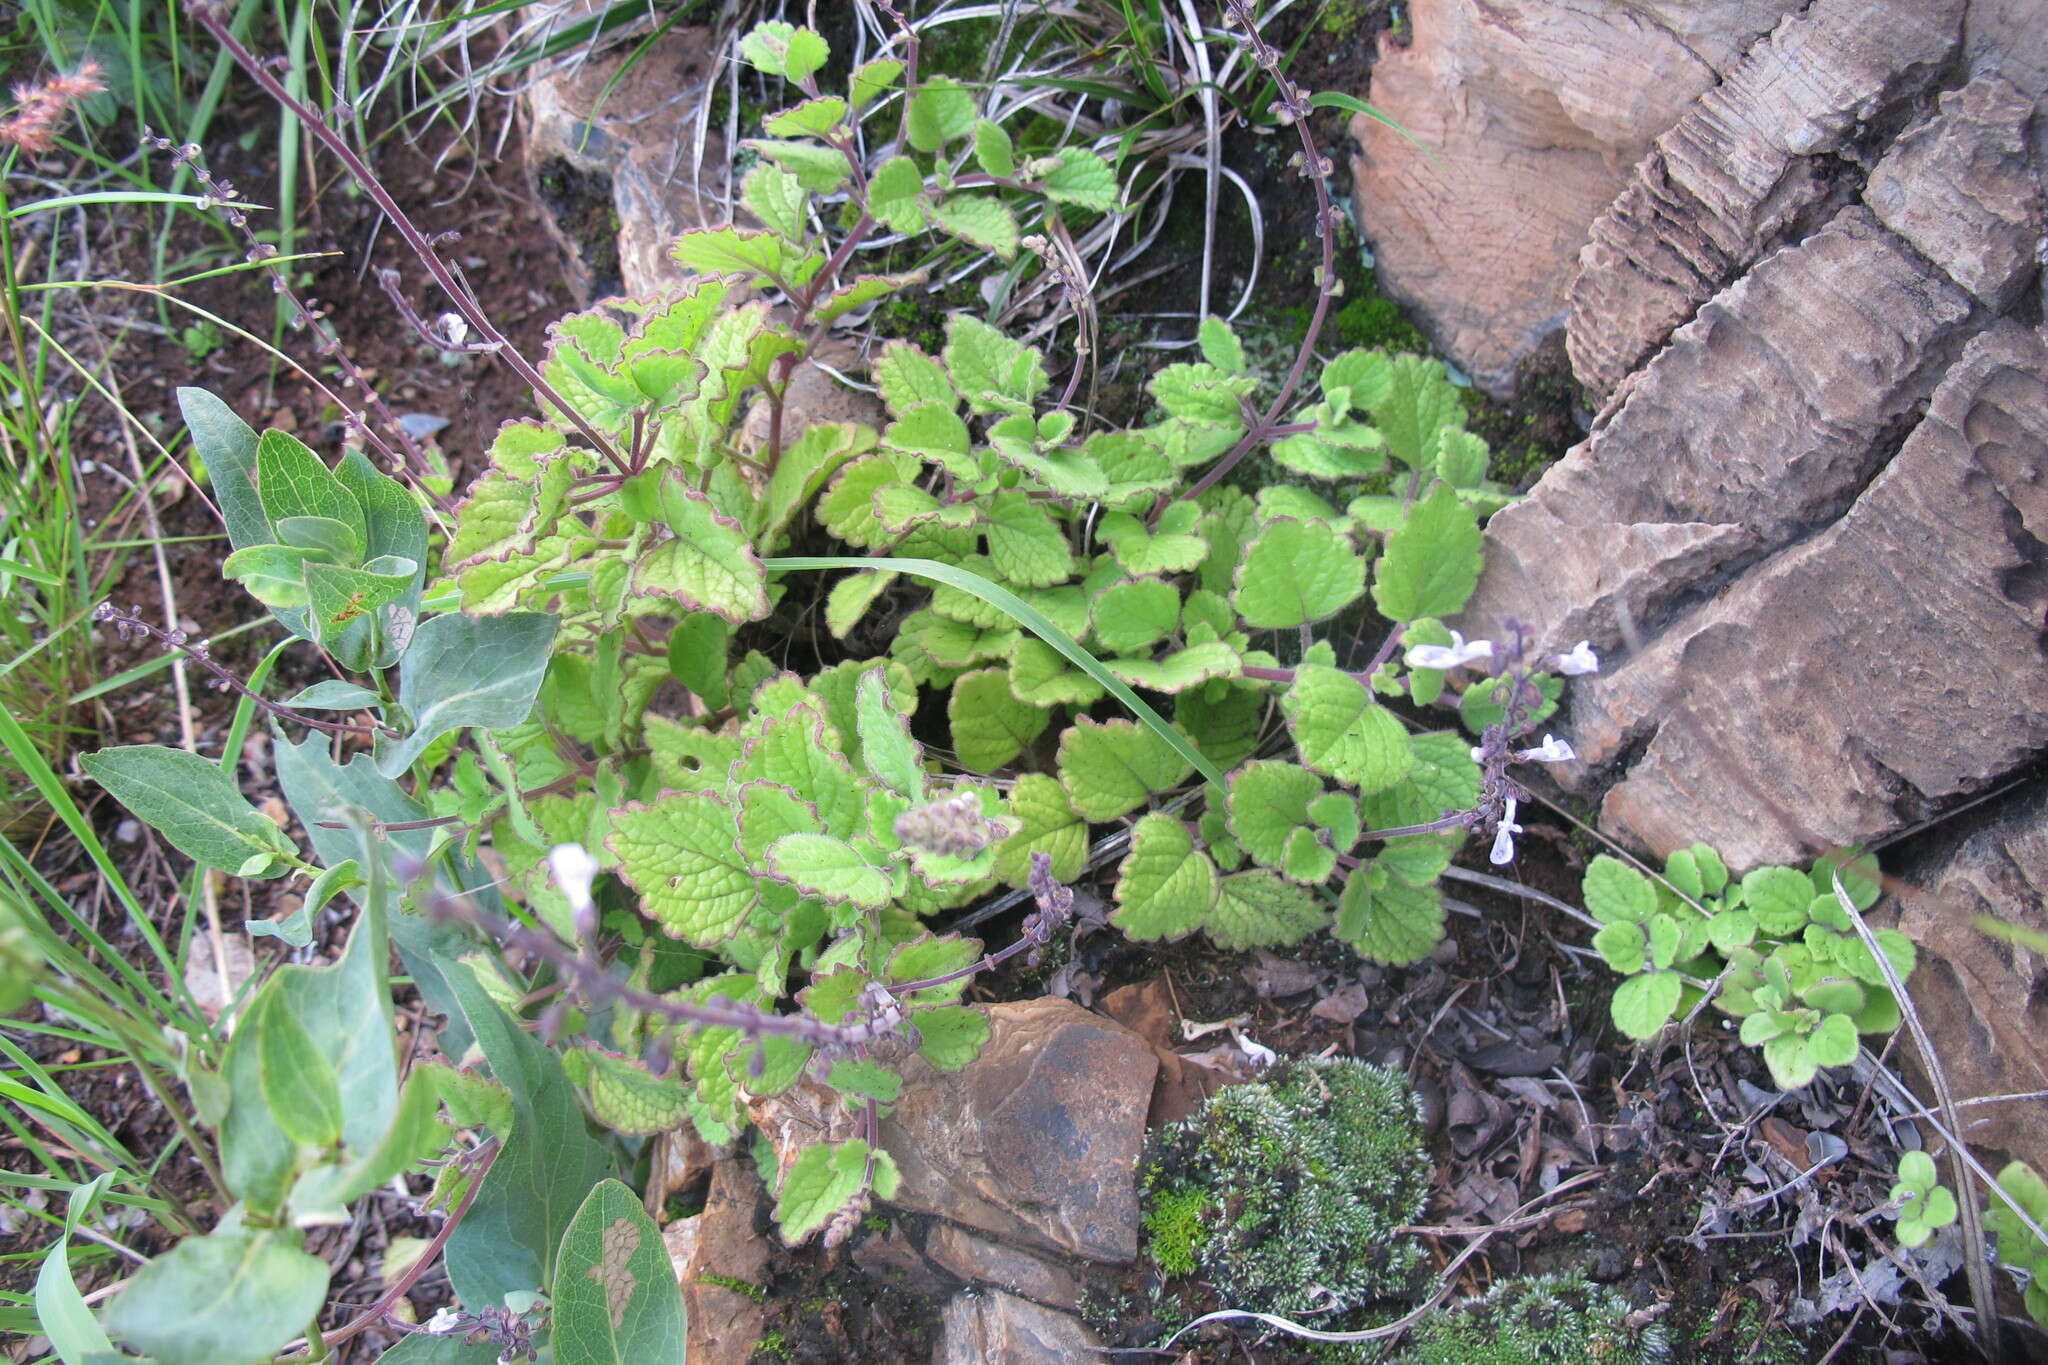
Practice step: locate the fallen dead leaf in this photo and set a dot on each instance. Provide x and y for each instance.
(213, 990)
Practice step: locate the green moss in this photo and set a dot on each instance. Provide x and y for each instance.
(1340, 17)
(1173, 1221)
(737, 1286)
(1537, 1320)
(1283, 1194)
(1376, 321)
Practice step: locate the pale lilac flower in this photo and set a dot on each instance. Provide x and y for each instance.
(1454, 655)
(1579, 662)
(574, 870)
(1504, 837)
(1551, 750)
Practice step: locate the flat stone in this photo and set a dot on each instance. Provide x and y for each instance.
(1985, 1001)
(891, 1258)
(989, 1327)
(635, 142)
(1533, 111)
(726, 1242)
(1743, 169)
(976, 1258)
(1871, 675)
(1036, 1140)
(1758, 424)
(1962, 189)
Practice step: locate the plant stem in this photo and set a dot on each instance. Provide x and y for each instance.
(1293, 107)
(210, 18)
(371, 1316)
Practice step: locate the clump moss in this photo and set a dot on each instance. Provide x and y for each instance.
(1537, 1320)
(1377, 321)
(1284, 1194)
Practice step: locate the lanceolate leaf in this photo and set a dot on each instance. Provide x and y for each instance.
(192, 803)
(547, 1165)
(233, 1297)
(463, 670)
(616, 1298)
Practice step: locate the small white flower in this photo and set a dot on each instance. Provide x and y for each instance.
(444, 1320)
(574, 870)
(1551, 750)
(1454, 655)
(1479, 753)
(1579, 662)
(1504, 837)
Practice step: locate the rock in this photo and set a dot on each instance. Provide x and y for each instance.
(1983, 1000)
(726, 1240)
(1035, 1140)
(1737, 175)
(1855, 683)
(1961, 188)
(994, 1328)
(1757, 424)
(633, 160)
(892, 1259)
(978, 1259)
(1148, 1009)
(1533, 111)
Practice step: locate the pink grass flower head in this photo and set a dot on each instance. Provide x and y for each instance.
(41, 107)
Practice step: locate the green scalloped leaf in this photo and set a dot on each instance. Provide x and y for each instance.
(1111, 767)
(1083, 179)
(1028, 548)
(1295, 573)
(628, 1098)
(1431, 564)
(1166, 887)
(1614, 892)
(831, 869)
(710, 565)
(979, 220)
(1386, 919)
(951, 1036)
(1050, 825)
(1129, 615)
(990, 726)
(820, 1182)
(1181, 670)
(1779, 898)
(1643, 1004)
(679, 853)
(1268, 802)
(1341, 732)
(1259, 909)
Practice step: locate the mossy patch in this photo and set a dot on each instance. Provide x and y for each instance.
(1284, 1194)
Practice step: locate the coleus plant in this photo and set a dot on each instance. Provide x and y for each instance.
(1774, 949)
(716, 870)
